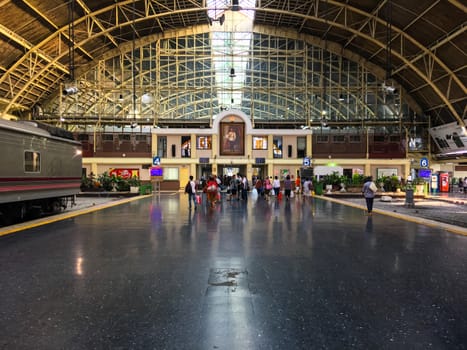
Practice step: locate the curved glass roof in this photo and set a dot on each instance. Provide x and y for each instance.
(188, 79)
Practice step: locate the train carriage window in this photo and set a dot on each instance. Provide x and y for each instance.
(379, 138)
(354, 138)
(322, 138)
(338, 138)
(107, 137)
(32, 162)
(141, 138)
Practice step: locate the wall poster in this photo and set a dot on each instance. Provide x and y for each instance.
(232, 139)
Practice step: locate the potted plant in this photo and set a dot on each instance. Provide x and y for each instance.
(355, 183)
(331, 180)
(86, 183)
(105, 181)
(419, 185)
(382, 182)
(134, 183)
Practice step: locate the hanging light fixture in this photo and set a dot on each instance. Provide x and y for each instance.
(388, 86)
(235, 5)
(70, 88)
(133, 67)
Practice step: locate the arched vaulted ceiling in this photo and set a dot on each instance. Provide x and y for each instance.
(420, 44)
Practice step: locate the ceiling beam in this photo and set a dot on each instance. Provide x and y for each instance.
(52, 24)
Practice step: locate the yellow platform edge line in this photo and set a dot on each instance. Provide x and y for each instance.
(64, 216)
(422, 221)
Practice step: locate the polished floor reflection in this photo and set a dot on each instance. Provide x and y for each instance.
(312, 274)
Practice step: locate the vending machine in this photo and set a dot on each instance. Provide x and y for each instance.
(434, 183)
(444, 182)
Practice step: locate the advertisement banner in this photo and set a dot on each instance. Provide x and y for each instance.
(124, 173)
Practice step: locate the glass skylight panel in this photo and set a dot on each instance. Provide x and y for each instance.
(231, 41)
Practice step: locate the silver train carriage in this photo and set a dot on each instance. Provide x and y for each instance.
(40, 170)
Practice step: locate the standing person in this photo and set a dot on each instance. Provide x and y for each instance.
(239, 186)
(276, 184)
(298, 184)
(190, 189)
(233, 187)
(259, 186)
(245, 188)
(267, 188)
(287, 187)
(307, 187)
(369, 190)
(465, 185)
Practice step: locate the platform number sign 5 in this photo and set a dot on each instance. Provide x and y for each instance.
(424, 163)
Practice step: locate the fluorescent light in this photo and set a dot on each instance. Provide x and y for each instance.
(70, 90)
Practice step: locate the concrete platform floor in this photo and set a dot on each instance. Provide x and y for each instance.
(304, 274)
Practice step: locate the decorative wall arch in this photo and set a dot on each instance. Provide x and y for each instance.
(225, 116)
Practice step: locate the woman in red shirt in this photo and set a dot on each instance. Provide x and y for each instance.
(211, 190)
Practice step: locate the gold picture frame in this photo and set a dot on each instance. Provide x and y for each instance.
(232, 139)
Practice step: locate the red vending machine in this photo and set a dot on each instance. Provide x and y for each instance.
(444, 182)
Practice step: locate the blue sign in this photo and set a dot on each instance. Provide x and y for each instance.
(260, 160)
(424, 162)
(156, 160)
(156, 171)
(425, 173)
(306, 161)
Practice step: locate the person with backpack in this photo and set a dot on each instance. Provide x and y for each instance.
(190, 189)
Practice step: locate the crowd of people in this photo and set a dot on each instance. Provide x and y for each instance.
(237, 186)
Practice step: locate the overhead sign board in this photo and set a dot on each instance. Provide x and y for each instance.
(450, 138)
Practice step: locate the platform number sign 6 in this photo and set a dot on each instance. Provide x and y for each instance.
(424, 162)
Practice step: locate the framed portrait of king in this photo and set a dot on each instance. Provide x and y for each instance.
(232, 139)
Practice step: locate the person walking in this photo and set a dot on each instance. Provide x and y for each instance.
(245, 188)
(234, 188)
(287, 187)
(369, 189)
(211, 191)
(267, 185)
(190, 189)
(259, 186)
(307, 187)
(276, 184)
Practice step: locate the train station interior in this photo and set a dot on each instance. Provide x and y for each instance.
(155, 91)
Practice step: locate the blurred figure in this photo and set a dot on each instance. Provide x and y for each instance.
(287, 187)
(276, 184)
(211, 190)
(191, 191)
(369, 189)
